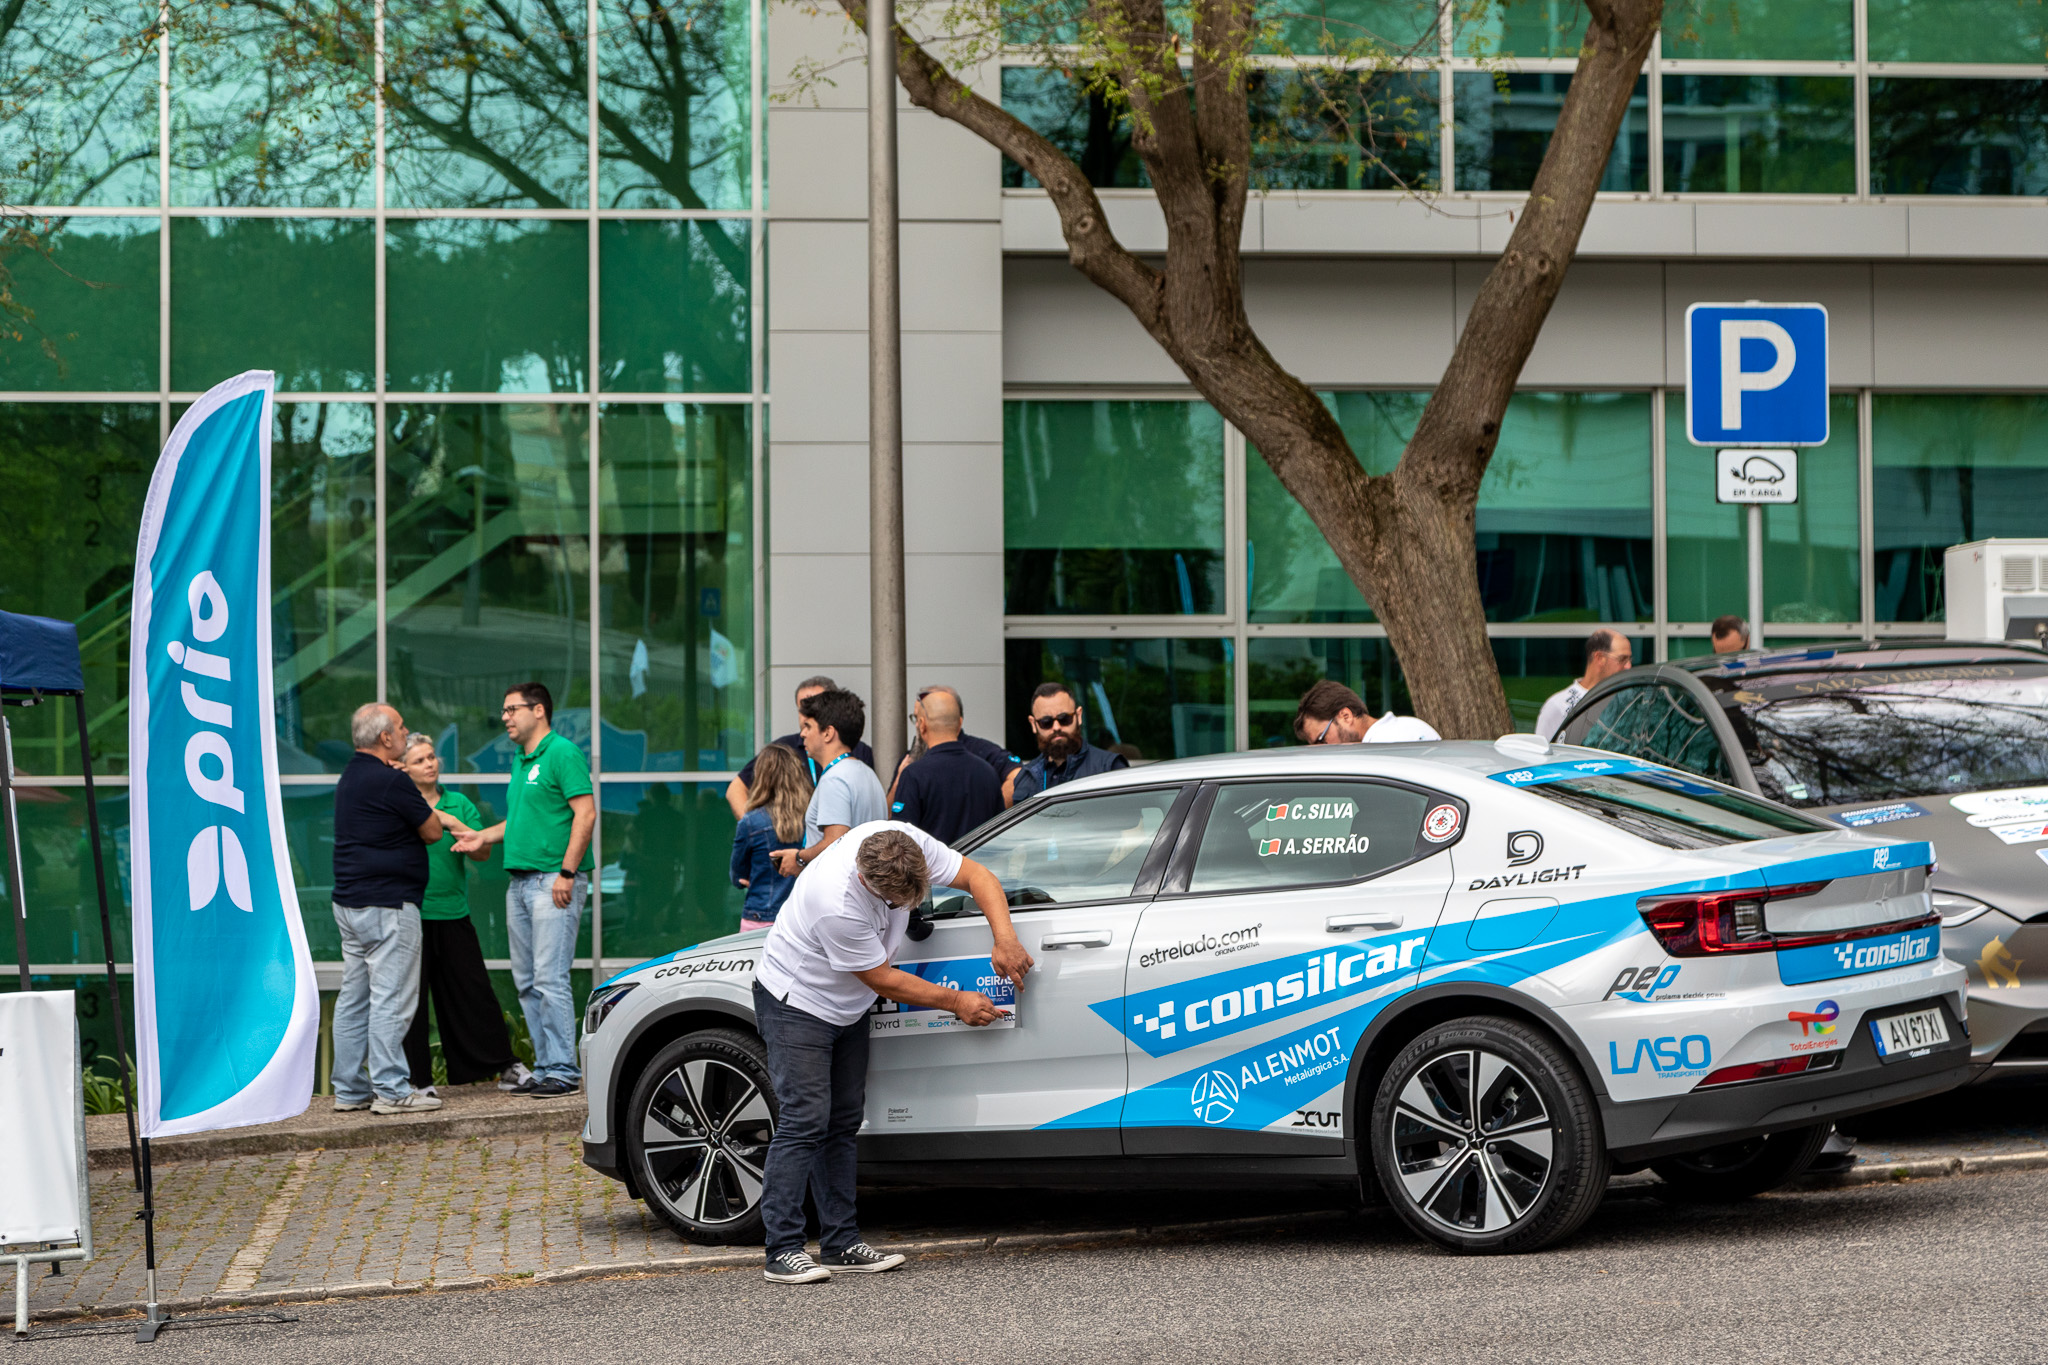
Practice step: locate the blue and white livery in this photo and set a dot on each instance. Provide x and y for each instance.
(1483, 976)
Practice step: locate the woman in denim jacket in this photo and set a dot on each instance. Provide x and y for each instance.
(774, 819)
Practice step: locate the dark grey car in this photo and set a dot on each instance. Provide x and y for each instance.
(1939, 740)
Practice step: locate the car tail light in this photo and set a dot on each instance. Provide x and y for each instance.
(1733, 922)
(1723, 922)
(1761, 1071)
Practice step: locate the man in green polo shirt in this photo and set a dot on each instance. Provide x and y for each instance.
(549, 816)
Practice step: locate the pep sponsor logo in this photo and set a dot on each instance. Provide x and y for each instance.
(1168, 1018)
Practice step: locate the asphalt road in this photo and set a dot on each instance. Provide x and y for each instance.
(1931, 1270)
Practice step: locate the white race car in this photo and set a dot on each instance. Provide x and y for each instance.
(1474, 979)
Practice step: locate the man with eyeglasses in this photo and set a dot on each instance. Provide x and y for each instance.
(1608, 652)
(549, 817)
(1331, 713)
(1064, 753)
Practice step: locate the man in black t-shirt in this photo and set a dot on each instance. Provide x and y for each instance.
(382, 829)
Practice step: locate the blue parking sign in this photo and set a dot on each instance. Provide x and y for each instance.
(1756, 374)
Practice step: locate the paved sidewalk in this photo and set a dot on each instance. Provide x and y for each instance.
(467, 1212)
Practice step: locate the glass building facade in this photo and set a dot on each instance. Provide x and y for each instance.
(1194, 601)
(508, 265)
(1836, 98)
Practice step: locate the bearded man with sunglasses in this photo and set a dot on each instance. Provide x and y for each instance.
(1064, 752)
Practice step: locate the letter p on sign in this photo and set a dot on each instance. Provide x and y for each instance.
(1756, 374)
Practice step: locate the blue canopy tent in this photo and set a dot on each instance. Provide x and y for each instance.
(39, 661)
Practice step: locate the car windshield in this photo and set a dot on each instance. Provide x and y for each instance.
(1674, 810)
(1838, 738)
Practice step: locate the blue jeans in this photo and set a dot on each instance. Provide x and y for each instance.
(820, 1074)
(543, 938)
(380, 993)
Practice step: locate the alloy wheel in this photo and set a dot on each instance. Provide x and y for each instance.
(1472, 1141)
(705, 1137)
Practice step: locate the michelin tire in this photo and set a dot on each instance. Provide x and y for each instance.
(696, 1132)
(1486, 1139)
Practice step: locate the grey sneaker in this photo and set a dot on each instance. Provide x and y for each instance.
(862, 1259)
(516, 1078)
(796, 1267)
(418, 1102)
(342, 1106)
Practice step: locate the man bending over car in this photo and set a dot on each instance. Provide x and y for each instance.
(825, 961)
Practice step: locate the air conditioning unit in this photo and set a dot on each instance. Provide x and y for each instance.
(1997, 590)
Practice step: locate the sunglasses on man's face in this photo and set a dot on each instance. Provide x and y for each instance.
(1058, 722)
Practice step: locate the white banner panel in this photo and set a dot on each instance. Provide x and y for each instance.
(40, 1119)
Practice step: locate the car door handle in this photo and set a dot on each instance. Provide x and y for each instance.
(1080, 938)
(1366, 919)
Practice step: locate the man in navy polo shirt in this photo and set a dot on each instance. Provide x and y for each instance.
(950, 790)
(1064, 752)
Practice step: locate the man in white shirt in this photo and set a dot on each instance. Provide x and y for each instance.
(848, 792)
(1608, 652)
(1331, 713)
(825, 961)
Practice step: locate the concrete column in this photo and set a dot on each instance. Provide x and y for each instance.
(817, 366)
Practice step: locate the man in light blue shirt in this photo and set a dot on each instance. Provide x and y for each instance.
(848, 791)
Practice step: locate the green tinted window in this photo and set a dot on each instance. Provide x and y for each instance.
(1504, 124)
(1081, 123)
(1148, 698)
(487, 562)
(323, 575)
(1344, 130)
(1959, 31)
(477, 305)
(1759, 135)
(1402, 28)
(1281, 669)
(1563, 522)
(1949, 469)
(271, 108)
(1112, 507)
(80, 78)
(1958, 137)
(1520, 28)
(296, 295)
(486, 105)
(75, 475)
(675, 640)
(1810, 548)
(672, 104)
(654, 833)
(673, 306)
(1760, 30)
(94, 298)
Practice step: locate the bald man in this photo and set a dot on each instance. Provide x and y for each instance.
(950, 790)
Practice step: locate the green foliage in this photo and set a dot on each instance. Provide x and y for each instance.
(103, 1087)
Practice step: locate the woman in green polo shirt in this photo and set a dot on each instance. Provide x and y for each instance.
(452, 972)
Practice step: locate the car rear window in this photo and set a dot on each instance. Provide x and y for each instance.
(1673, 809)
(1828, 739)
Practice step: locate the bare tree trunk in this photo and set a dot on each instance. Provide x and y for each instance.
(1405, 538)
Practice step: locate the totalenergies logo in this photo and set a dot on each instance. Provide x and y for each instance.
(1819, 1023)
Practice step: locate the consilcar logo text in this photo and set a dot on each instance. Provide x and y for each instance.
(1168, 1018)
(1221, 945)
(704, 966)
(1865, 957)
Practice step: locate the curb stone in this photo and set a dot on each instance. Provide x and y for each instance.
(365, 1133)
(1875, 1173)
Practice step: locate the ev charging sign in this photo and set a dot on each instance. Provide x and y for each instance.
(1756, 374)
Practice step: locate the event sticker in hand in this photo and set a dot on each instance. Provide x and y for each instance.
(1440, 824)
(958, 973)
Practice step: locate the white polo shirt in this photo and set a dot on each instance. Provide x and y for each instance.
(1559, 704)
(833, 926)
(1393, 729)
